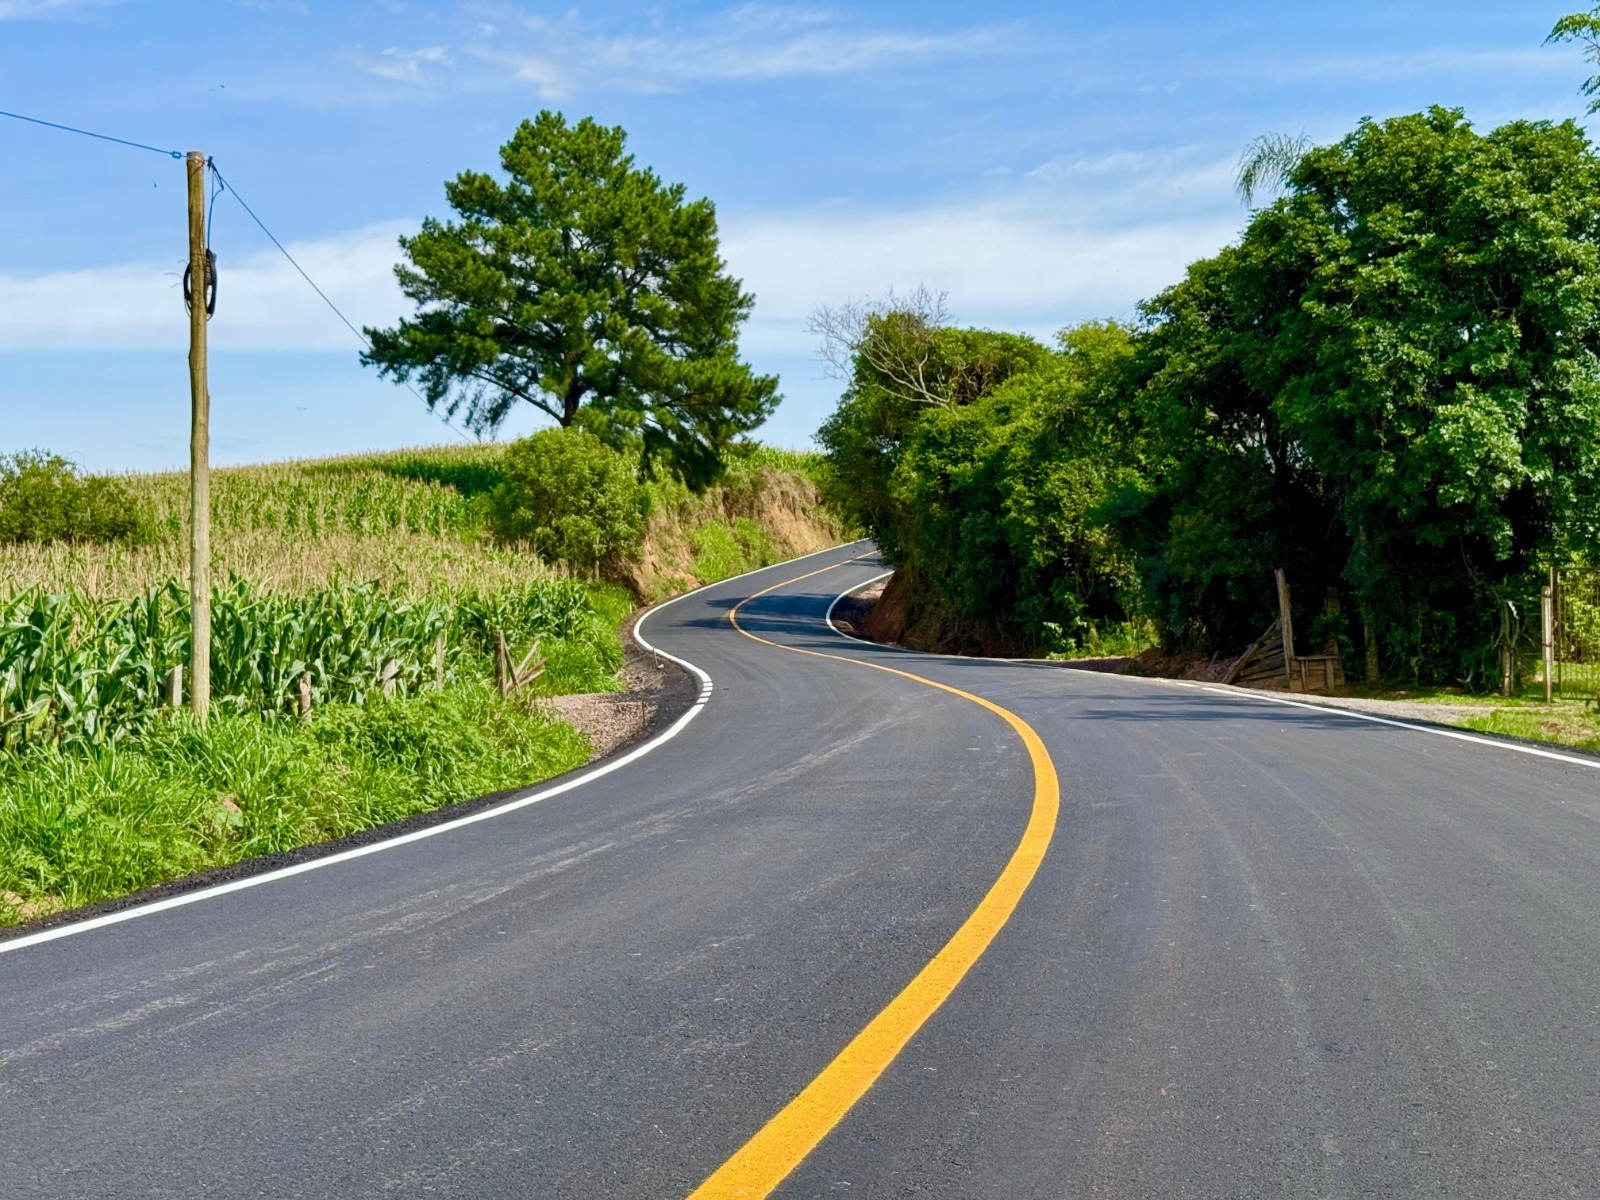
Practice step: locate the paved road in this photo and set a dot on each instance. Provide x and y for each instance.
(1270, 953)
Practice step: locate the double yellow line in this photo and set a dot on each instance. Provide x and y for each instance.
(764, 1161)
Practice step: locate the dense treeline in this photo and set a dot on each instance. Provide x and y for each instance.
(1388, 387)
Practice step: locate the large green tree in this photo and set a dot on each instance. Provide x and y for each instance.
(582, 285)
(1396, 375)
(976, 460)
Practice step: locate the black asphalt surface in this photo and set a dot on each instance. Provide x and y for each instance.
(1271, 953)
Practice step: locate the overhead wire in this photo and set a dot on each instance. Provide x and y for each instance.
(224, 185)
(220, 185)
(103, 137)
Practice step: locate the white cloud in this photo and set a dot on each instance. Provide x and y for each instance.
(1033, 259)
(262, 303)
(415, 67)
(1005, 264)
(753, 42)
(28, 10)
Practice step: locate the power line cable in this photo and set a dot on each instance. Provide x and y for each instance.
(103, 137)
(221, 185)
(260, 224)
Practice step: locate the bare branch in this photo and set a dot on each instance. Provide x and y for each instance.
(895, 339)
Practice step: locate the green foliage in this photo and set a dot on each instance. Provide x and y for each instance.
(987, 499)
(571, 497)
(887, 400)
(74, 670)
(725, 549)
(83, 823)
(582, 280)
(1267, 163)
(43, 498)
(1583, 28)
(1389, 388)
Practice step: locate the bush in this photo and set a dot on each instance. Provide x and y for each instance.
(43, 498)
(570, 496)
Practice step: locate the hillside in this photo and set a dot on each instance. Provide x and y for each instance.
(356, 611)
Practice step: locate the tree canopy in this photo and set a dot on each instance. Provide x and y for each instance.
(582, 285)
(1389, 387)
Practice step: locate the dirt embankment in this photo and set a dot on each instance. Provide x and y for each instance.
(767, 516)
(888, 612)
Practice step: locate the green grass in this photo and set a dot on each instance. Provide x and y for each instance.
(335, 567)
(723, 549)
(1567, 725)
(91, 822)
(1569, 722)
(1114, 639)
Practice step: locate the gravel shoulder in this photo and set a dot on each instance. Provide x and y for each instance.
(655, 693)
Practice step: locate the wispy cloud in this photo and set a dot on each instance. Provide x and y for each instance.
(559, 57)
(264, 304)
(1005, 263)
(32, 10)
(1013, 262)
(1444, 61)
(418, 68)
(1081, 235)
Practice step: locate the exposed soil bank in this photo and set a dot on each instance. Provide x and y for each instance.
(888, 612)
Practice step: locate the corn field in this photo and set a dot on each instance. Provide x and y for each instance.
(77, 670)
(298, 500)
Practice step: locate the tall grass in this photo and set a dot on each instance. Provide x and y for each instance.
(335, 568)
(73, 669)
(86, 823)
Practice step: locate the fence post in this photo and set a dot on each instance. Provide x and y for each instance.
(175, 687)
(1288, 626)
(438, 662)
(502, 664)
(305, 695)
(386, 677)
(1547, 621)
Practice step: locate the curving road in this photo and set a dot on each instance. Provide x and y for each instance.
(1270, 952)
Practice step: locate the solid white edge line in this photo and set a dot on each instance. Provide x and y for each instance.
(1452, 734)
(1493, 743)
(252, 881)
(827, 617)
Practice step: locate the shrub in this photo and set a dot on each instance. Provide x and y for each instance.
(43, 498)
(570, 496)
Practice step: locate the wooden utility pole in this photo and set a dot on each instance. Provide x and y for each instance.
(199, 448)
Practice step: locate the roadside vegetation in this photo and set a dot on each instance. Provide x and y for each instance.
(1389, 388)
(332, 570)
(387, 627)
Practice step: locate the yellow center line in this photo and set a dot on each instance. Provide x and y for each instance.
(779, 1146)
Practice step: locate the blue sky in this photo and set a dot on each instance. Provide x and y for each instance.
(1042, 163)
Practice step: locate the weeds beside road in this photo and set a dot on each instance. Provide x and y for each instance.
(335, 569)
